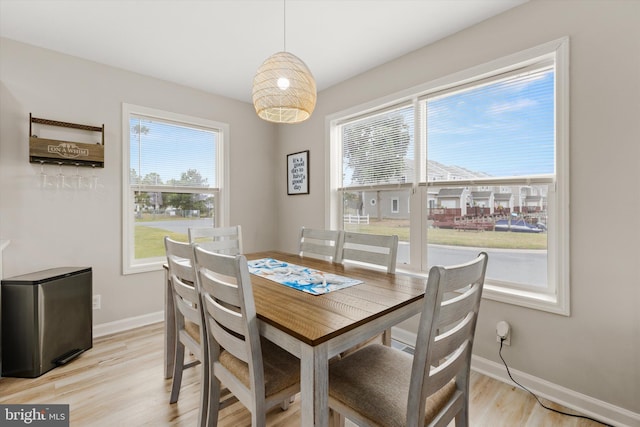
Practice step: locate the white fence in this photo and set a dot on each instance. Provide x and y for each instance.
(356, 219)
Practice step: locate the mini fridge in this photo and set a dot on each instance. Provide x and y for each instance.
(46, 320)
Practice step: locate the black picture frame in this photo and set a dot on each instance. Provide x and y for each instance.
(298, 173)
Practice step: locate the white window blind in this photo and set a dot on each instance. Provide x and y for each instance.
(378, 149)
(167, 154)
(501, 129)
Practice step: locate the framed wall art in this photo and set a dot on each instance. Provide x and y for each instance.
(298, 173)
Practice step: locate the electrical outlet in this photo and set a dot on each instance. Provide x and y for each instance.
(503, 332)
(96, 302)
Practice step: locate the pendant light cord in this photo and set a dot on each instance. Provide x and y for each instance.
(284, 24)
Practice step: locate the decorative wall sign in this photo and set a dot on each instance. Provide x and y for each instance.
(298, 173)
(43, 150)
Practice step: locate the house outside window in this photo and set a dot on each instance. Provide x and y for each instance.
(173, 175)
(482, 157)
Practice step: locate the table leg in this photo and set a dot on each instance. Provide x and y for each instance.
(169, 328)
(314, 387)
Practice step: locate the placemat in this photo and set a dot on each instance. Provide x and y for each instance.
(304, 279)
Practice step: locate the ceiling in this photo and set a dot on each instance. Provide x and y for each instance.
(217, 45)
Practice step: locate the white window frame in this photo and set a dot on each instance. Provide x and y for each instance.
(129, 263)
(558, 268)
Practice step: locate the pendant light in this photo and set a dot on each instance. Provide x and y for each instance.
(284, 90)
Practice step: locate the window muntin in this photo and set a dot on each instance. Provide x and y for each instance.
(173, 174)
(539, 192)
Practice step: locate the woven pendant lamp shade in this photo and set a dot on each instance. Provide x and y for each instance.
(284, 90)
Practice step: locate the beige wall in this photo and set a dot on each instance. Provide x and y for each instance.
(83, 228)
(596, 350)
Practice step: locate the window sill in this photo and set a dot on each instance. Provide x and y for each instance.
(144, 268)
(534, 300)
(537, 301)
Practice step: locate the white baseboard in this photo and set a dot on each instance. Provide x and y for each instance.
(126, 324)
(582, 403)
(404, 336)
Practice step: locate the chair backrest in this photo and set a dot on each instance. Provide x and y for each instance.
(370, 249)
(183, 282)
(318, 243)
(226, 240)
(445, 334)
(231, 321)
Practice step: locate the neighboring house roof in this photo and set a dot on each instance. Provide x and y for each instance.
(481, 194)
(439, 172)
(502, 196)
(450, 192)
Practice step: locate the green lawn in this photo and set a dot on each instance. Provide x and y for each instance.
(487, 239)
(441, 236)
(150, 241)
(150, 217)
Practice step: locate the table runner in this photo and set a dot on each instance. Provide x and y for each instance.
(302, 278)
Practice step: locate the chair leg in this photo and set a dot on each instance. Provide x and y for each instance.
(258, 419)
(386, 337)
(178, 367)
(204, 395)
(336, 419)
(285, 403)
(462, 417)
(213, 404)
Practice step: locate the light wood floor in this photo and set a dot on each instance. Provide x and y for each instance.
(120, 382)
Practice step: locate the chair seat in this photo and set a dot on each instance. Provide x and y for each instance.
(281, 368)
(374, 381)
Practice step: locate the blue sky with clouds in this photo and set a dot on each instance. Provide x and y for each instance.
(502, 129)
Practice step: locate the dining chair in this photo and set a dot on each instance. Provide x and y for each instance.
(384, 386)
(370, 250)
(259, 373)
(226, 240)
(188, 319)
(317, 243)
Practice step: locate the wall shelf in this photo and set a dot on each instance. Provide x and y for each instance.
(44, 150)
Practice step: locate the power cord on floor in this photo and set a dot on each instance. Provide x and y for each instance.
(536, 397)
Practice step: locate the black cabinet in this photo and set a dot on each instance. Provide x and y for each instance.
(46, 320)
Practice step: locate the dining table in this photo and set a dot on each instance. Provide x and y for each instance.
(316, 328)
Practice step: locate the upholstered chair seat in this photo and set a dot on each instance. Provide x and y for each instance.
(383, 395)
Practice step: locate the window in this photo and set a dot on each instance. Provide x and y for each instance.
(173, 177)
(395, 202)
(482, 157)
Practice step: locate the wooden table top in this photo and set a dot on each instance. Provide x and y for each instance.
(314, 319)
